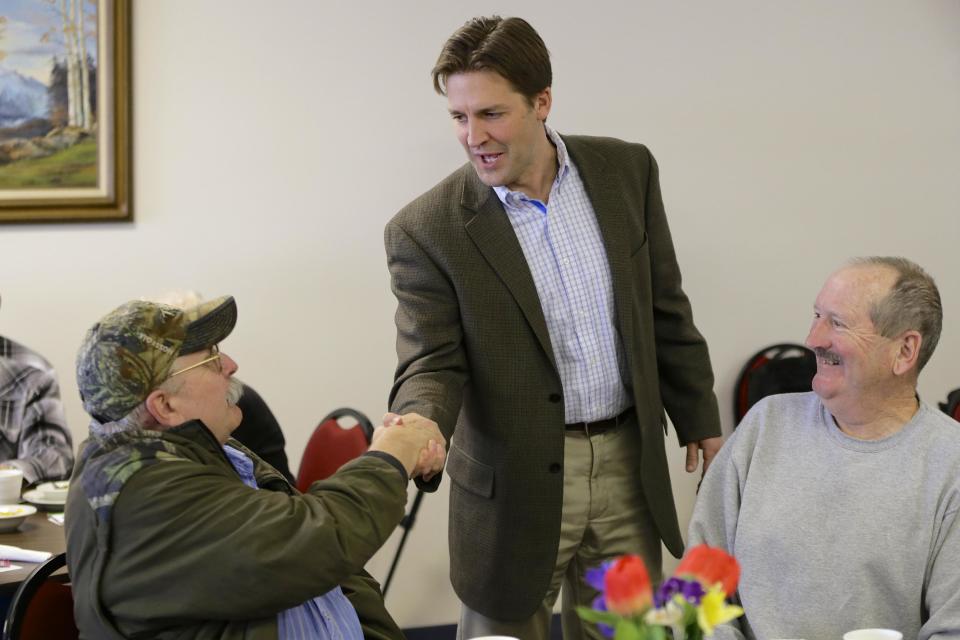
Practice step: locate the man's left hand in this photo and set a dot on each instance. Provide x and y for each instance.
(709, 446)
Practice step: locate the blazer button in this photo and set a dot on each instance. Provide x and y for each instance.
(554, 397)
(555, 467)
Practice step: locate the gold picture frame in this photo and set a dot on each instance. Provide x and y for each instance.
(74, 162)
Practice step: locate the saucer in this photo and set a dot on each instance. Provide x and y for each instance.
(53, 491)
(34, 496)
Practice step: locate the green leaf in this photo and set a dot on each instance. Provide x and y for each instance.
(656, 633)
(592, 615)
(626, 630)
(693, 631)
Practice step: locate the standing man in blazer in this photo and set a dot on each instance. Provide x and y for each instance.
(542, 324)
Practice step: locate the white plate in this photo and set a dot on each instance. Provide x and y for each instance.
(13, 515)
(34, 496)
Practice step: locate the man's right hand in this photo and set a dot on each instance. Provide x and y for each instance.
(413, 440)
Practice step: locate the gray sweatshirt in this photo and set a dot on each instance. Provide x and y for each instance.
(834, 533)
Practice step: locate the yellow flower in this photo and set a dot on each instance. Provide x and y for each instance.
(713, 610)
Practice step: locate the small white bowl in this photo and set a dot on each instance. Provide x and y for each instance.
(13, 515)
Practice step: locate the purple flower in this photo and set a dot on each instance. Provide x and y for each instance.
(595, 577)
(689, 590)
(600, 604)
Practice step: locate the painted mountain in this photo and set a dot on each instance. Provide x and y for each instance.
(21, 98)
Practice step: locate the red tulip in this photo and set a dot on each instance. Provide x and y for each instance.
(710, 566)
(627, 587)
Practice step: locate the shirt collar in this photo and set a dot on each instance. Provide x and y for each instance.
(508, 197)
(242, 464)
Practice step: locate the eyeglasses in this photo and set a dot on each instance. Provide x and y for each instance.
(215, 350)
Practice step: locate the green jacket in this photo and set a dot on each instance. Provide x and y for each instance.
(165, 541)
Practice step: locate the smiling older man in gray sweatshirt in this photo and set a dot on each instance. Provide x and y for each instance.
(842, 504)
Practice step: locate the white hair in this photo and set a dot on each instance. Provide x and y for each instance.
(179, 298)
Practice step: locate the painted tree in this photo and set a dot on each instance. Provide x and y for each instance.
(71, 32)
(80, 37)
(3, 31)
(57, 98)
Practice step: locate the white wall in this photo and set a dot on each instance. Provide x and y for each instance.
(272, 142)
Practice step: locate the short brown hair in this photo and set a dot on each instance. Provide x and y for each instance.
(912, 304)
(508, 46)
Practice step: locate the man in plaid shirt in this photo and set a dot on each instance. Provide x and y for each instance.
(33, 431)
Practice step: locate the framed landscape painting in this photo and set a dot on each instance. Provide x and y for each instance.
(64, 110)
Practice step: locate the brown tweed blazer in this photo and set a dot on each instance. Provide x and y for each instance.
(474, 354)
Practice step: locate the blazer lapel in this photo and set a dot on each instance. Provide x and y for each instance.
(488, 226)
(612, 210)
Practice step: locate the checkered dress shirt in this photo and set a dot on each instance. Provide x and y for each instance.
(33, 431)
(563, 247)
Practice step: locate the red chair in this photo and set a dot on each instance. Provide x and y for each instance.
(42, 607)
(332, 445)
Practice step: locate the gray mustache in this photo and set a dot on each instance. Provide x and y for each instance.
(829, 356)
(234, 392)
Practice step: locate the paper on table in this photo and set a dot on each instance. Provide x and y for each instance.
(56, 518)
(17, 554)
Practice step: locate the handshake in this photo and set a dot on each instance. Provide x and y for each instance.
(413, 440)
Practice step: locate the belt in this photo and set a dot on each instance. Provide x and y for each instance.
(600, 426)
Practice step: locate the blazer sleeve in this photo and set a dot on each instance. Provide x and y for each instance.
(683, 361)
(431, 362)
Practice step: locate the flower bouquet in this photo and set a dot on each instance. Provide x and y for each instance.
(689, 604)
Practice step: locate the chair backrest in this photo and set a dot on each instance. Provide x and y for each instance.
(41, 607)
(779, 368)
(332, 445)
(952, 406)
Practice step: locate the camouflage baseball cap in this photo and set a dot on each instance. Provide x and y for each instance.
(130, 352)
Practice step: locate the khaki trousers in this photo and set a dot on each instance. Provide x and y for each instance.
(604, 515)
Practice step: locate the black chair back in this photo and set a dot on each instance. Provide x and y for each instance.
(779, 368)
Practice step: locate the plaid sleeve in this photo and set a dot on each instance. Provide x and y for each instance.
(33, 428)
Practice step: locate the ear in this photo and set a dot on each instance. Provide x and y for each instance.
(908, 353)
(162, 406)
(542, 103)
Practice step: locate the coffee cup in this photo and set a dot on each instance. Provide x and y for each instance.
(11, 481)
(873, 634)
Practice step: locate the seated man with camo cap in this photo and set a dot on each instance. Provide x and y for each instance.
(175, 530)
